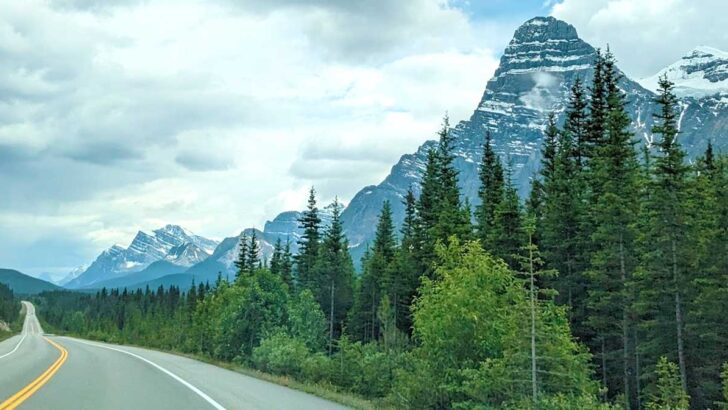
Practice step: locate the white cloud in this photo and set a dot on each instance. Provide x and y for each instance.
(647, 35)
(125, 115)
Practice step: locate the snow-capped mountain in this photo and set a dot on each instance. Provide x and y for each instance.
(701, 73)
(536, 71)
(171, 243)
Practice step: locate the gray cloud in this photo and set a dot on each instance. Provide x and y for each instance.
(204, 161)
(647, 35)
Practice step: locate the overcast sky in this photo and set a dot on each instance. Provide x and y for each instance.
(121, 115)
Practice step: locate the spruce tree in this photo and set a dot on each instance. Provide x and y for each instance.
(242, 262)
(334, 271)
(507, 236)
(308, 245)
(669, 249)
(577, 120)
(615, 188)
(378, 279)
(452, 217)
(406, 268)
(253, 259)
(490, 192)
(427, 213)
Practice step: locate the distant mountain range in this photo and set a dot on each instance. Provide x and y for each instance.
(23, 284)
(536, 71)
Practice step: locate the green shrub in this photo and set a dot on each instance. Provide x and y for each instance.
(281, 354)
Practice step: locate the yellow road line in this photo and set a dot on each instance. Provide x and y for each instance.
(18, 398)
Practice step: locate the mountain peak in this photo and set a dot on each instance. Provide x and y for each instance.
(543, 29)
(700, 73)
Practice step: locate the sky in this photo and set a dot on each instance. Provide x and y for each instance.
(126, 115)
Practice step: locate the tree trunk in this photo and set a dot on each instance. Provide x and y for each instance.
(638, 371)
(331, 320)
(604, 368)
(625, 327)
(679, 320)
(533, 328)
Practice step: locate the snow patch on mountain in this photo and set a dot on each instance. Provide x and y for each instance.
(171, 242)
(702, 72)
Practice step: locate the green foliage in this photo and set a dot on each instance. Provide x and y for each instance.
(306, 321)
(280, 354)
(724, 378)
(491, 190)
(669, 394)
(473, 345)
(308, 244)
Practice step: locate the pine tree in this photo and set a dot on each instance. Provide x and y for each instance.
(598, 110)
(490, 192)
(406, 268)
(308, 244)
(276, 259)
(668, 246)
(452, 217)
(669, 394)
(615, 188)
(706, 321)
(242, 262)
(335, 273)
(577, 120)
(427, 214)
(378, 279)
(563, 217)
(253, 258)
(507, 236)
(286, 265)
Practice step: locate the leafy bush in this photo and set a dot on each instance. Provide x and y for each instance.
(281, 354)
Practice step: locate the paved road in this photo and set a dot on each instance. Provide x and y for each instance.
(65, 373)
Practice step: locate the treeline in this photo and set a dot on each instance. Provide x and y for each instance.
(607, 287)
(9, 311)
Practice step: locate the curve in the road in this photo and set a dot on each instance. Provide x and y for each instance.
(16, 347)
(197, 391)
(30, 325)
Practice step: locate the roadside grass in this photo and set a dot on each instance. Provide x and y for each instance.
(14, 327)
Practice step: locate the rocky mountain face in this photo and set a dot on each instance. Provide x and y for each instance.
(534, 77)
(171, 243)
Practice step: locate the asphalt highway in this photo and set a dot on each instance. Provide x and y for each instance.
(50, 372)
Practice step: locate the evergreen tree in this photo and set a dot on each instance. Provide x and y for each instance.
(276, 259)
(507, 236)
(335, 273)
(281, 262)
(427, 214)
(242, 262)
(563, 211)
(490, 192)
(615, 186)
(253, 259)
(668, 243)
(377, 281)
(577, 120)
(452, 217)
(308, 244)
(406, 269)
(669, 394)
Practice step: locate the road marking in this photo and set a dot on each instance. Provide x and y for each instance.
(199, 392)
(16, 347)
(18, 398)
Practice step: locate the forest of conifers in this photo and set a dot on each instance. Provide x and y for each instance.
(607, 287)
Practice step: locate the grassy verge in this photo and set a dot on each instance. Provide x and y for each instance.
(324, 391)
(15, 327)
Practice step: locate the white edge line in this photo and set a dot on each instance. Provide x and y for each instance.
(199, 392)
(16, 347)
